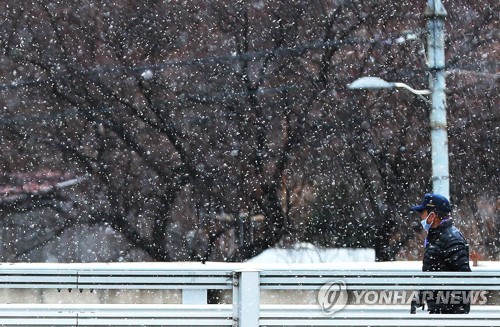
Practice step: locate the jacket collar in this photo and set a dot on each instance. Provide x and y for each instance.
(442, 226)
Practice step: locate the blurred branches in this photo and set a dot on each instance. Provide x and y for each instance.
(214, 130)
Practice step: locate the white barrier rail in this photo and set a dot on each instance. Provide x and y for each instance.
(246, 283)
(221, 315)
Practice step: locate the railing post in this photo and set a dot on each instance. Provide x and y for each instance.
(246, 298)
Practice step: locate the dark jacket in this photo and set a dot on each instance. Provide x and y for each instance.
(446, 250)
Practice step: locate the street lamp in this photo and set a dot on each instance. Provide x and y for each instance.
(373, 83)
(435, 15)
(439, 138)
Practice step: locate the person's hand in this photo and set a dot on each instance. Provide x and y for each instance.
(417, 302)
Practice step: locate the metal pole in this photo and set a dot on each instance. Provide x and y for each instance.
(436, 15)
(246, 298)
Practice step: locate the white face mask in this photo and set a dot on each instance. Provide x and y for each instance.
(424, 223)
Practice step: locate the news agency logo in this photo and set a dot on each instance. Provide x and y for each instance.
(332, 297)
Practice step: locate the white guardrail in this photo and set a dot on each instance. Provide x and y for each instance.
(246, 286)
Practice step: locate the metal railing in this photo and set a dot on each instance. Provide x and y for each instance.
(245, 285)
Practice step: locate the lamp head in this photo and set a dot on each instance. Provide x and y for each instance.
(365, 83)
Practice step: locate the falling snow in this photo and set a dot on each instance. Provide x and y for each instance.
(195, 130)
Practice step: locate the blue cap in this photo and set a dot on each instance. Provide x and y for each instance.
(433, 202)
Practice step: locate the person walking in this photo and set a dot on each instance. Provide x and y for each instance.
(445, 250)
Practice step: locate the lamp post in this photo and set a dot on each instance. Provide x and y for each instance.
(435, 15)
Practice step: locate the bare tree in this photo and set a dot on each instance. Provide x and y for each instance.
(189, 119)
